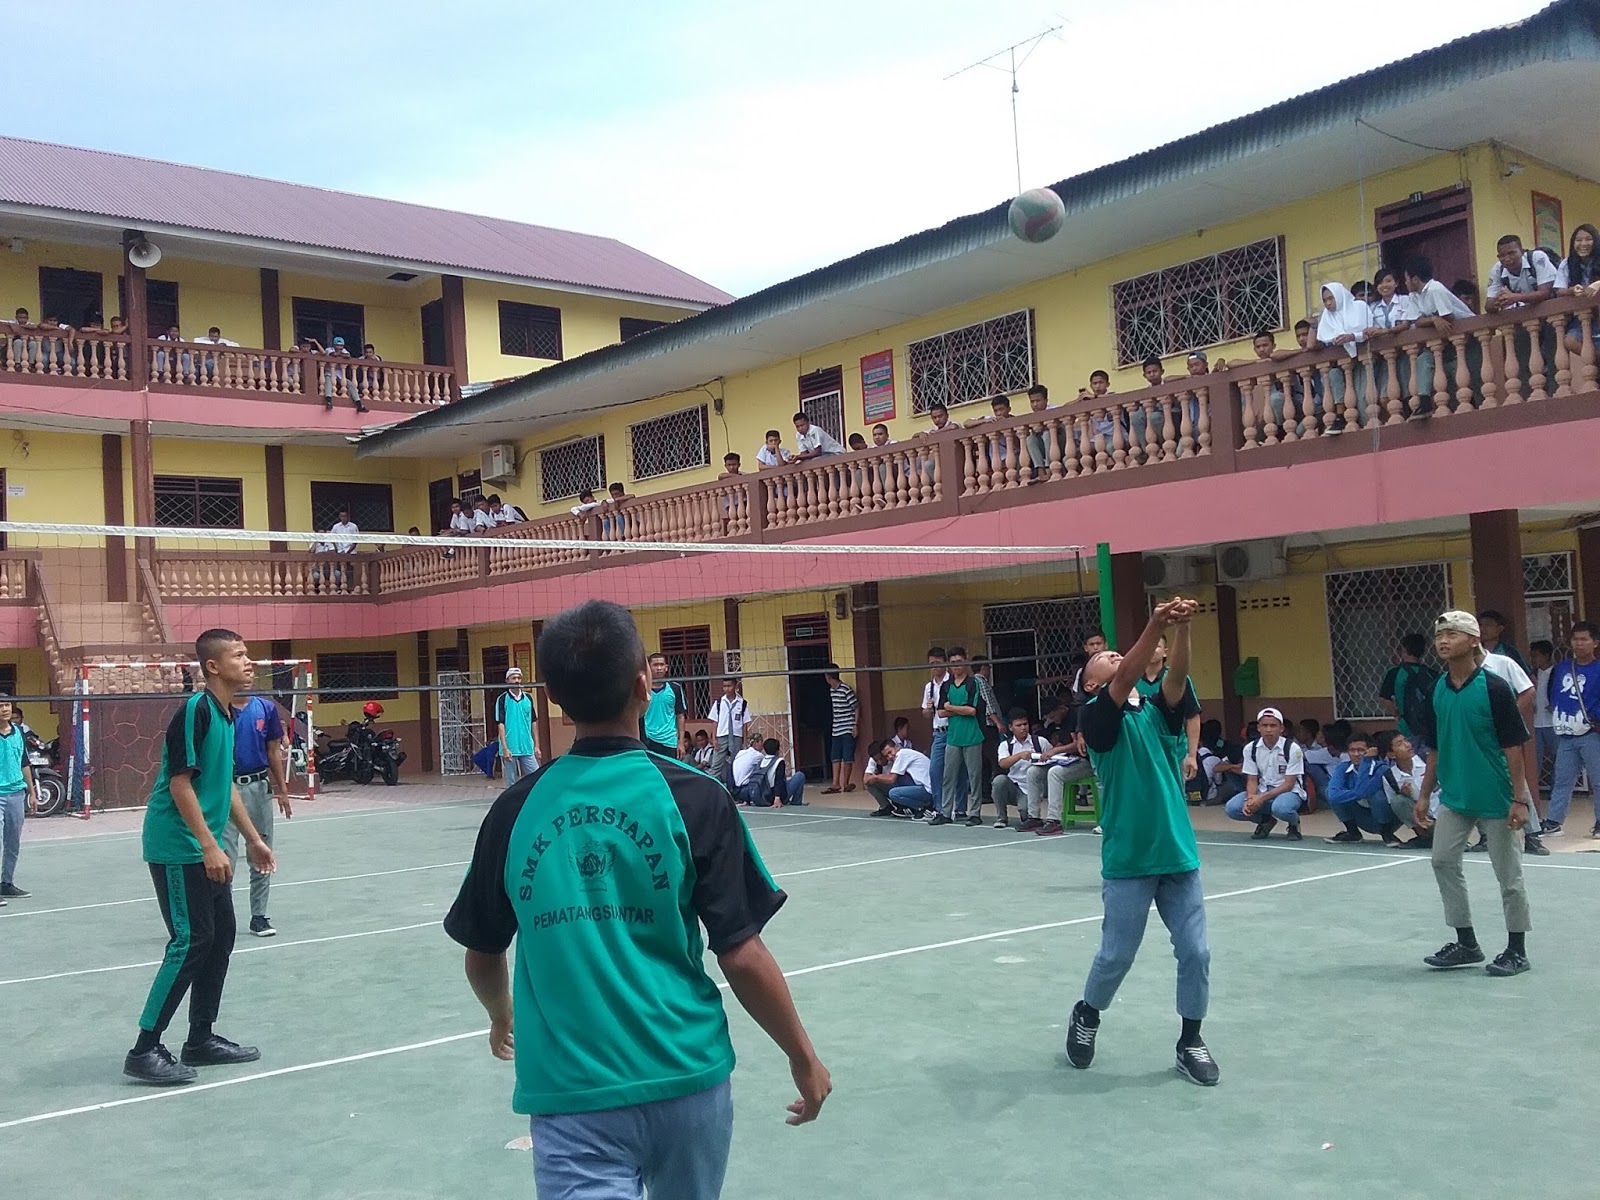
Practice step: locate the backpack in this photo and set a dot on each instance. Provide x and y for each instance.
(1416, 691)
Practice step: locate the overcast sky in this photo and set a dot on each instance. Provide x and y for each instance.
(742, 141)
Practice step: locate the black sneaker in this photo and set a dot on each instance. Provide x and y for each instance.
(1392, 839)
(1293, 833)
(974, 819)
(1263, 829)
(1532, 845)
(1423, 841)
(1509, 962)
(1482, 844)
(1196, 1064)
(1029, 825)
(1453, 955)
(940, 819)
(262, 927)
(12, 892)
(1080, 1037)
(218, 1051)
(156, 1066)
(1550, 829)
(1345, 837)
(882, 812)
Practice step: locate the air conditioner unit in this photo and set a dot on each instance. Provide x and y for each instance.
(498, 462)
(1169, 571)
(1245, 562)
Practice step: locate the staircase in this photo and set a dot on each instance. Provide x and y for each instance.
(108, 631)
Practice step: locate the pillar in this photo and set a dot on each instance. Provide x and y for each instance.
(271, 312)
(1128, 600)
(1589, 572)
(144, 483)
(425, 731)
(136, 309)
(277, 502)
(1228, 657)
(111, 482)
(541, 701)
(455, 328)
(1497, 570)
(867, 636)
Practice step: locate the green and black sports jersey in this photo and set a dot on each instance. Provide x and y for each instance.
(199, 744)
(1470, 728)
(1144, 818)
(1177, 743)
(604, 865)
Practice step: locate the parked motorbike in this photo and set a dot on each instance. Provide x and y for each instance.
(364, 753)
(45, 757)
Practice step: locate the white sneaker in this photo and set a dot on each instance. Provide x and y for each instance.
(1097, 829)
(1002, 823)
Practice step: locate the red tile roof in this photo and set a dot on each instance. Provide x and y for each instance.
(142, 191)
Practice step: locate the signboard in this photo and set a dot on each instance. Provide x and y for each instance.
(877, 386)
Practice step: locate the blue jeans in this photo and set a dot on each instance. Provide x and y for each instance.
(1181, 902)
(1544, 752)
(911, 795)
(12, 808)
(677, 1149)
(1285, 808)
(936, 765)
(518, 765)
(754, 792)
(1354, 812)
(1571, 753)
(842, 748)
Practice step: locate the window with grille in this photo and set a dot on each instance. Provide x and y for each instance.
(8, 678)
(973, 363)
(530, 330)
(688, 654)
(1059, 628)
(1368, 613)
(822, 399)
(371, 505)
(676, 441)
(1211, 300)
(372, 675)
(1547, 574)
(632, 327)
(1346, 266)
(572, 467)
(191, 501)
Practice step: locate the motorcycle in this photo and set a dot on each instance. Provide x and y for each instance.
(364, 753)
(44, 758)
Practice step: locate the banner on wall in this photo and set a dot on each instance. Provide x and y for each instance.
(877, 386)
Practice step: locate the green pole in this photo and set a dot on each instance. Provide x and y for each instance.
(1108, 605)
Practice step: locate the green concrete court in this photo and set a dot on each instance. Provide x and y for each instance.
(934, 968)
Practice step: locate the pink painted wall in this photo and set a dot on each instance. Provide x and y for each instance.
(189, 410)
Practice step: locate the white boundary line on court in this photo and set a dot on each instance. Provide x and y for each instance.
(1274, 848)
(149, 1097)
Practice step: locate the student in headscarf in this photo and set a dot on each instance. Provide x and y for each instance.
(1344, 323)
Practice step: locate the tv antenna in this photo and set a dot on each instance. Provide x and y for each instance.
(1011, 65)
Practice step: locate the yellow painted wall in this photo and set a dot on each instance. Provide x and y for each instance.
(217, 460)
(60, 475)
(587, 323)
(305, 465)
(1073, 313)
(33, 680)
(392, 311)
(334, 715)
(19, 274)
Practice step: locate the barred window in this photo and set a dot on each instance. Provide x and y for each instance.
(822, 399)
(530, 330)
(1547, 574)
(371, 505)
(688, 654)
(190, 501)
(1368, 613)
(632, 327)
(572, 467)
(676, 441)
(373, 675)
(1210, 300)
(973, 363)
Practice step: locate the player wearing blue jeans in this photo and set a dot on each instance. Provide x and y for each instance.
(16, 786)
(1180, 902)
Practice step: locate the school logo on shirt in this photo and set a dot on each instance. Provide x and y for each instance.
(594, 862)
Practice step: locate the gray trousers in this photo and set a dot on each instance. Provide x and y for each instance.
(723, 751)
(1048, 784)
(1003, 791)
(955, 757)
(1450, 833)
(258, 803)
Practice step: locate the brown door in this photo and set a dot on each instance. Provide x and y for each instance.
(495, 661)
(1435, 224)
(440, 493)
(806, 647)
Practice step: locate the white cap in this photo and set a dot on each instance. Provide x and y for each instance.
(513, 671)
(1270, 712)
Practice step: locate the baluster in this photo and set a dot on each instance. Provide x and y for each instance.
(1105, 439)
(1173, 407)
(1463, 376)
(1248, 389)
(1537, 379)
(1188, 407)
(1063, 447)
(1563, 365)
(969, 467)
(1345, 367)
(1583, 379)
(1121, 416)
(1486, 339)
(1391, 386)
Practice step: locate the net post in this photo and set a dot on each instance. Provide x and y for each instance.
(1108, 600)
(88, 791)
(311, 737)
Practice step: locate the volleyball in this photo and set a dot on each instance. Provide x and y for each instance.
(1037, 215)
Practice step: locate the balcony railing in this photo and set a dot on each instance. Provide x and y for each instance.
(1442, 384)
(43, 354)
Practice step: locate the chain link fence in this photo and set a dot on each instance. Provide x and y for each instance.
(672, 442)
(1369, 611)
(572, 467)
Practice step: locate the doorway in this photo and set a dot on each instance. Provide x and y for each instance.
(1435, 224)
(433, 348)
(329, 319)
(496, 659)
(440, 493)
(807, 648)
(1016, 683)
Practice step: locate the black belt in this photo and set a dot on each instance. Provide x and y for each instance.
(252, 777)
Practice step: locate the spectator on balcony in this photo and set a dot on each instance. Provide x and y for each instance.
(1519, 276)
(58, 344)
(1154, 376)
(880, 436)
(731, 465)
(213, 337)
(1343, 325)
(939, 416)
(614, 522)
(1038, 445)
(24, 348)
(1466, 291)
(329, 570)
(482, 518)
(1103, 423)
(182, 362)
(1579, 275)
(857, 442)
(1361, 290)
(1388, 312)
(586, 504)
(332, 374)
(999, 410)
(773, 453)
(371, 374)
(813, 441)
(504, 512)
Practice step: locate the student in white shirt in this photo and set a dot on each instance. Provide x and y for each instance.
(1435, 308)
(1579, 275)
(902, 780)
(772, 452)
(1522, 688)
(762, 777)
(482, 518)
(341, 531)
(1518, 276)
(732, 714)
(902, 734)
(1343, 324)
(1016, 757)
(505, 513)
(1402, 782)
(937, 674)
(1544, 725)
(702, 753)
(813, 441)
(1274, 780)
(586, 503)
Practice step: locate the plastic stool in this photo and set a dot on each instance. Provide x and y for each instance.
(1070, 812)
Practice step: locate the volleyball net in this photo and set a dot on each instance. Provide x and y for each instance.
(97, 628)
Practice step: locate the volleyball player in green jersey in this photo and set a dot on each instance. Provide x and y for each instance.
(1148, 852)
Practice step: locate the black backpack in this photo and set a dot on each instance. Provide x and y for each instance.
(1416, 691)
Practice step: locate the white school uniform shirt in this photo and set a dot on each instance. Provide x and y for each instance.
(774, 458)
(731, 716)
(1541, 700)
(482, 520)
(461, 522)
(322, 547)
(344, 529)
(1273, 764)
(745, 765)
(913, 763)
(1537, 270)
(208, 340)
(817, 438)
(1436, 300)
(1394, 777)
(930, 703)
(1017, 772)
(1386, 314)
(1349, 315)
(1571, 274)
(1507, 669)
(1319, 756)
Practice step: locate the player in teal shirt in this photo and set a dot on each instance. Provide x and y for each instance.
(18, 796)
(1148, 853)
(661, 724)
(193, 800)
(603, 867)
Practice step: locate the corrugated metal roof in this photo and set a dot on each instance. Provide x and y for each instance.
(1564, 30)
(142, 191)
